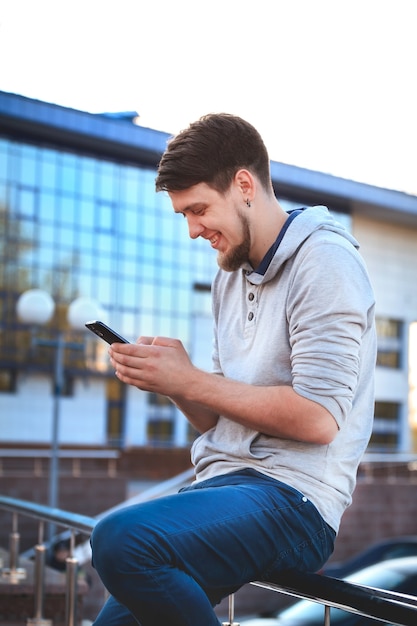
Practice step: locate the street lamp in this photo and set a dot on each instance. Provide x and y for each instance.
(36, 307)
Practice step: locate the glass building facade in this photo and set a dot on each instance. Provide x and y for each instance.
(78, 225)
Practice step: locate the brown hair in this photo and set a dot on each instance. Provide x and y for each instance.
(211, 150)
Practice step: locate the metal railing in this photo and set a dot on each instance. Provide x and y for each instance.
(14, 574)
(390, 607)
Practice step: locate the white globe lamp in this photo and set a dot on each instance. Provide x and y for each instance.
(83, 310)
(35, 306)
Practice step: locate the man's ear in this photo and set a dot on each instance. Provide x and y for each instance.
(246, 183)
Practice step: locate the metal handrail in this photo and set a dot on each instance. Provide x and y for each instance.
(397, 608)
(80, 523)
(389, 606)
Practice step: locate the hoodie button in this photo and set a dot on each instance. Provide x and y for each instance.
(250, 316)
(251, 296)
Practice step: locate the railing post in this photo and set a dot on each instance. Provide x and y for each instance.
(39, 580)
(71, 591)
(13, 573)
(231, 621)
(326, 615)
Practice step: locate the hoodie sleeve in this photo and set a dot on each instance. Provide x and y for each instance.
(329, 308)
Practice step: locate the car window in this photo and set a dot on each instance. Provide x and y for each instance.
(375, 576)
(401, 550)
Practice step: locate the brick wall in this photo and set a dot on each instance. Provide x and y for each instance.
(154, 463)
(381, 508)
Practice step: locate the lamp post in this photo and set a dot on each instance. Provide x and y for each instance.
(37, 307)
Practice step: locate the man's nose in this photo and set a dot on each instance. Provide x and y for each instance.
(194, 227)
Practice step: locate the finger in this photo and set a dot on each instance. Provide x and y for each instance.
(147, 341)
(118, 350)
(128, 380)
(133, 376)
(129, 373)
(166, 342)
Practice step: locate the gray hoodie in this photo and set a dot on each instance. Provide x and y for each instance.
(307, 322)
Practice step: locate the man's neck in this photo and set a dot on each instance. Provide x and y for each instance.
(268, 223)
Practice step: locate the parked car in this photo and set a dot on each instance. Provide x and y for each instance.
(392, 548)
(398, 575)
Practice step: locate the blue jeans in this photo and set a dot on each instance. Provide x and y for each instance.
(171, 560)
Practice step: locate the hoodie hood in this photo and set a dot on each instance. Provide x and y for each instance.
(310, 220)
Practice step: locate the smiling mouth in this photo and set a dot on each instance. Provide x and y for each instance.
(214, 240)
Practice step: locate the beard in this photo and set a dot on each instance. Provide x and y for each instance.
(234, 259)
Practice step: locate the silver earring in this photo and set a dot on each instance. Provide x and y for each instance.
(248, 202)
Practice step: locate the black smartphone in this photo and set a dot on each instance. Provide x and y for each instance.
(105, 332)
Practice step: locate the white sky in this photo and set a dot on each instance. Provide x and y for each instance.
(330, 84)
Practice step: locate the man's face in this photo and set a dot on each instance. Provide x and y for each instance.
(219, 218)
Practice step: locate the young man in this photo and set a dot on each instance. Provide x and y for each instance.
(284, 417)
